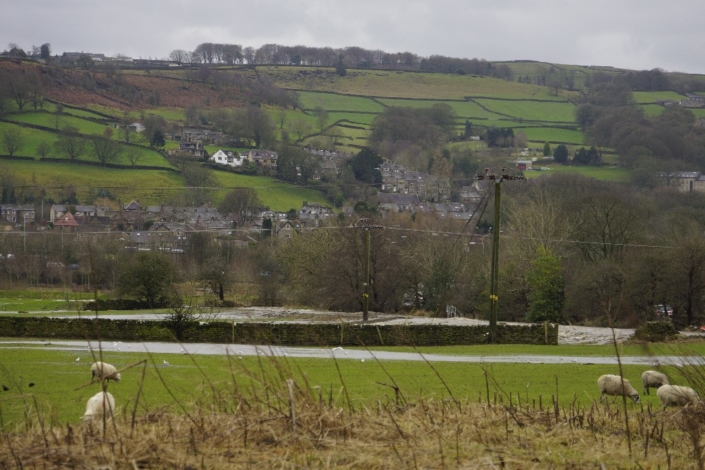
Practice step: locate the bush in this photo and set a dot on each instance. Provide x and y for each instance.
(656, 331)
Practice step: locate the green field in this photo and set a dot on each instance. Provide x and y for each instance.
(652, 110)
(57, 374)
(153, 187)
(277, 195)
(553, 135)
(464, 109)
(364, 120)
(643, 97)
(51, 107)
(532, 110)
(49, 120)
(600, 173)
(334, 102)
(32, 139)
(378, 83)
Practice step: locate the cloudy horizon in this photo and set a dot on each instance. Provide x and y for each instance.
(630, 34)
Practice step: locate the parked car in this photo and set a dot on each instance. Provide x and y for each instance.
(663, 311)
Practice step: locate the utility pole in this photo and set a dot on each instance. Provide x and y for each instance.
(494, 276)
(366, 285)
(368, 225)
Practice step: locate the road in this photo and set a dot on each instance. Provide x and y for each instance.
(241, 350)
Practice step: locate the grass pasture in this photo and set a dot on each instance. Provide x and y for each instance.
(415, 379)
(277, 195)
(646, 97)
(393, 84)
(39, 300)
(354, 118)
(228, 412)
(151, 187)
(32, 139)
(464, 109)
(335, 102)
(49, 120)
(614, 174)
(532, 110)
(553, 135)
(652, 110)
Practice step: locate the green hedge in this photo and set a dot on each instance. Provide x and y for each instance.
(289, 334)
(656, 331)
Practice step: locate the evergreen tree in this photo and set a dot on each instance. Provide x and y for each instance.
(560, 154)
(546, 288)
(546, 149)
(157, 139)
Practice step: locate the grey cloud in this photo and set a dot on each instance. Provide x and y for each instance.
(632, 34)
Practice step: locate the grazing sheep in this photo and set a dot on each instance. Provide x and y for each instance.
(676, 395)
(96, 406)
(612, 385)
(105, 371)
(653, 379)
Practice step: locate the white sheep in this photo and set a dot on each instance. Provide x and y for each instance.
(105, 371)
(653, 379)
(676, 395)
(612, 385)
(96, 406)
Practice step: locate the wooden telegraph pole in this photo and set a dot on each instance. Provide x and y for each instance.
(494, 276)
(367, 225)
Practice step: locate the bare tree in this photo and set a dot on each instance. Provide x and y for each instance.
(13, 139)
(179, 56)
(57, 115)
(43, 149)
(241, 202)
(322, 117)
(106, 149)
(133, 156)
(300, 127)
(71, 143)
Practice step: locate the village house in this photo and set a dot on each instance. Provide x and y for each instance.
(66, 223)
(286, 230)
(17, 214)
(231, 159)
(73, 57)
(195, 149)
(313, 215)
(397, 179)
(263, 158)
(203, 136)
(685, 181)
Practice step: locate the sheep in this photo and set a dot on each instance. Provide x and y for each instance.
(612, 385)
(105, 371)
(676, 395)
(96, 406)
(651, 378)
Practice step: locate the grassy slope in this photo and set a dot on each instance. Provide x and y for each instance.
(56, 375)
(153, 186)
(33, 137)
(386, 84)
(545, 134)
(601, 173)
(330, 101)
(653, 96)
(273, 193)
(532, 111)
(149, 186)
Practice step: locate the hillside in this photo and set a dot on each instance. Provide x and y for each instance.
(91, 100)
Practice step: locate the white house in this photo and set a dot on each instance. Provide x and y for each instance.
(228, 158)
(220, 157)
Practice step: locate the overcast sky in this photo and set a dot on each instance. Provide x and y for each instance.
(635, 34)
